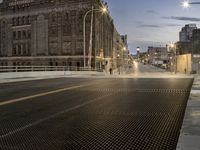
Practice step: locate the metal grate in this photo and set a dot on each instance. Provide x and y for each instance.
(169, 91)
(139, 119)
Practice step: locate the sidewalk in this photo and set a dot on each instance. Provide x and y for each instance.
(190, 133)
(27, 76)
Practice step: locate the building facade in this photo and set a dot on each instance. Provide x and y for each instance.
(185, 34)
(183, 47)
(195, 42)
(157, 55)
(50, 33)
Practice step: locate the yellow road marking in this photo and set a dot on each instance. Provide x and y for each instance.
(39, 95)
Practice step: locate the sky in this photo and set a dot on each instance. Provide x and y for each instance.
(151, 22)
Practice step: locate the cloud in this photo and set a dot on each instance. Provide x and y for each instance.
(157, 25)
(183, 18)
(149, 26)
(173, 25)
(151, 12)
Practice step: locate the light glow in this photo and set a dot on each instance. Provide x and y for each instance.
(172, 45)
(104, 9)
(186, 4)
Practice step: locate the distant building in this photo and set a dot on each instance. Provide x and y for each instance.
(195, 42)
(190, 47)
(185, 34)
(125, 40)
(119, 53)
(125, 47)
(157, 55)
(183, 48)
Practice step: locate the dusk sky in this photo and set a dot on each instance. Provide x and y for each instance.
(151, 22)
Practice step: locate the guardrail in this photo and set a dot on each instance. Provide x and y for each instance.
(44, 68)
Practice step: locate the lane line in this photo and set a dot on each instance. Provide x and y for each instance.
(53, 116)
(40, 95)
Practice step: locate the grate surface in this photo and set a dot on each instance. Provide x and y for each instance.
(115, 115)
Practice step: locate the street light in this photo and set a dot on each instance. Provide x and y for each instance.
(118, 63)
(138, 52)
(124, 53)
(138, 49)
(173, 47)
(187, 3)
(103, 10)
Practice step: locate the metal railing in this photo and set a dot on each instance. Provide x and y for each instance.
(44, 68)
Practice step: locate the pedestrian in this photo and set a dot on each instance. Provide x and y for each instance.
(110, 71)
(185, 70)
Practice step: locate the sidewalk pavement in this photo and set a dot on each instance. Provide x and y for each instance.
(27, 76)
(190, 133)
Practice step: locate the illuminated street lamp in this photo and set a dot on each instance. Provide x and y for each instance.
(138, 51)
(124, 53)
(173, 48)
(104, 10)
(118, 63)
(187, 3)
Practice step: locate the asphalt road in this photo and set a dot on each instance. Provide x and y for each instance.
(72, 113)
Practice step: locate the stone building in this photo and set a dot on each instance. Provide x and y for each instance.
(50, 33)
(120, 49)
(157, 55)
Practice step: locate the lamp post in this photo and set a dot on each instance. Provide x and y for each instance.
(103, 10)
(124, 52)
(118, 63)
(173, 47)
(138, 52)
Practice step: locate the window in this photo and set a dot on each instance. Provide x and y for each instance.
(29, 49)
(14, 50)
(14, 35)
(19, 34)
(24, 34)
(28, 20)
(24, 49)
(19, 49)
(29, 33)
(13, 21)
(23, 20)
(53, 17)
(18, 21)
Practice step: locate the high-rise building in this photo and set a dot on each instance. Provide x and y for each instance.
(195, 43)
(50, 33)
(185, 34)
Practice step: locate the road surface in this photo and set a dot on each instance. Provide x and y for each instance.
(107, 113)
